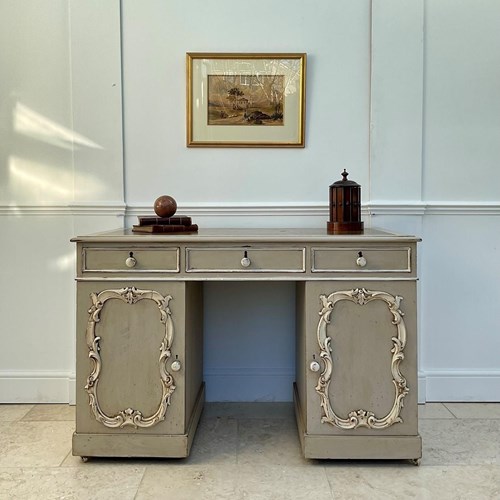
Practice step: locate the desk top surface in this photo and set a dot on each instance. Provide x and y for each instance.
(242, 235)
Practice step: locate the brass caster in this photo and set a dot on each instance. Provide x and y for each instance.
(85, 459)
(415, 461)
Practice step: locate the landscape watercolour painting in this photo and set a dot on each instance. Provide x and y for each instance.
(245, 99)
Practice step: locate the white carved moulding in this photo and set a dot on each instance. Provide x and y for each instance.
(129, 416)
(361, 417)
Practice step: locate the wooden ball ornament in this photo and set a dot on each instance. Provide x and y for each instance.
(165, 206)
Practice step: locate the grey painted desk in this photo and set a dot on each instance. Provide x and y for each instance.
(140, 390)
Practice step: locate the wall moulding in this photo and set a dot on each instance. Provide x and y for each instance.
(290, 209)
(320, 209)
(463, 385)
(59, 387)
(73, 209)
(37, 386)
(434, 208)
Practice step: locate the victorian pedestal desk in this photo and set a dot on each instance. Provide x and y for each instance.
(140, 389)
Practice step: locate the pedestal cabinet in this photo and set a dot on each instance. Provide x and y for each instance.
(139, 359)
(139, 337)
(355, 393)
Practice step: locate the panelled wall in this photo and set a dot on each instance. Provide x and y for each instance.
(61, 174)
(405, 95)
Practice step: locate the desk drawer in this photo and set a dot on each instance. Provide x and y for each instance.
(231, 260)
(341, 260)
(114, 260)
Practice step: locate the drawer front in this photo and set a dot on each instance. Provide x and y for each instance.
(114, 260)
(231, 260)
(361, 260)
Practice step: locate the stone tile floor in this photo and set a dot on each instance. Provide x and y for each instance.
(251, 451)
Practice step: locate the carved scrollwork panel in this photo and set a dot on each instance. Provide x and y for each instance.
(129, 416)
(361, 417)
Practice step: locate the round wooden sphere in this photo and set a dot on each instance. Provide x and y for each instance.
(165, 206)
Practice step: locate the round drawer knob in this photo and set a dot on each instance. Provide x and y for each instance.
(130, 261)
(360, 261)
(245, 262)
(314, 366)
(176, 365)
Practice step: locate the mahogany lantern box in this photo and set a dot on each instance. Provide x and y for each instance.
(345, 207)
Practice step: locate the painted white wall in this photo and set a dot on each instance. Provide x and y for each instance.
(456, 190)
(462, 103)
(96, 88)
(157, 160)
(36, 170)
(156, 37)
(414, 117)
(35, 104)
(249, 341)
(61, 173)
(396, 101)
(460, 261)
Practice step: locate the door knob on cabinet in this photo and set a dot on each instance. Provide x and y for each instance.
(314, 366)
(131, 261)
(360, 261)
(176, 365)
(245, 261)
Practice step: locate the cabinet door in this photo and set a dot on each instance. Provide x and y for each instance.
(128, 340)
(362, 335)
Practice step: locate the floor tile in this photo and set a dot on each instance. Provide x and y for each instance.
(251, 452)
(268, 441)
(72, 461)
(235, 482)
(266, 482)
(434, 410)
(37, 444)
(460, 442)
(385, 482)
(13, 412)
(189, 482)
(474, 410)
(215, 441)
(50, 412)
(106, 483)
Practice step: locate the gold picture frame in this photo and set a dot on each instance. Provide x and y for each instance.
(245, 100)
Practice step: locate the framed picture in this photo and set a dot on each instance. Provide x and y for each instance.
(245, 100)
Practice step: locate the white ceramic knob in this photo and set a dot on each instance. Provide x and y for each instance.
(245, 262)
(361, 261)
(176, 365)
(314, 366)
(130, 261)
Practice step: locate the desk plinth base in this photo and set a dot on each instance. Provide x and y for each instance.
(326, 446)
(140, 445)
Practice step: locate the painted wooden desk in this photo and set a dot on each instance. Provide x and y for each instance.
(140, 389)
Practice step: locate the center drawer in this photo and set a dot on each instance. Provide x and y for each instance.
(245, 260)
